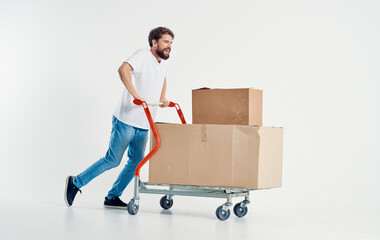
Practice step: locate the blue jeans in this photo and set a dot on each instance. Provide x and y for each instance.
(123, 136)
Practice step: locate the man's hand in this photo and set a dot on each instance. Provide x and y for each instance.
(139, 98)
(165, 103)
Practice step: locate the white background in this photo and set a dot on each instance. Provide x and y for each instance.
(317, 63)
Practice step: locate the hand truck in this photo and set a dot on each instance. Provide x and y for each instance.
(170, 190)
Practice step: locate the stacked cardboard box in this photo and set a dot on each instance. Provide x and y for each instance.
(228, 106)
(226, 146)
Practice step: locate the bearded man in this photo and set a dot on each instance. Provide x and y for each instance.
(144, 77)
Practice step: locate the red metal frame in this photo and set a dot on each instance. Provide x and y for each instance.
(154, 130)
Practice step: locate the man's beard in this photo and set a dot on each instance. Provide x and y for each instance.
(161, 53)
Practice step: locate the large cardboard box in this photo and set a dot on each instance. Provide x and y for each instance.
(233, 156)
(242, 106)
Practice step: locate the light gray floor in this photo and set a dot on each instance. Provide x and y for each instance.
(190, 218)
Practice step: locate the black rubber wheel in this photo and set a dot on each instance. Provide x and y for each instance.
(165, 203)
(222, 214)
(132, 207)
(240, 211)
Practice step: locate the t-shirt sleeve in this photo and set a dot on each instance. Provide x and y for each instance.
(136, 60)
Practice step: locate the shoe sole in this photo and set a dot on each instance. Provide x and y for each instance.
(65, 193)
(115, 207)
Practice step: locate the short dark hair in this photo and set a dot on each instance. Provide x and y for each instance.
(157, 33)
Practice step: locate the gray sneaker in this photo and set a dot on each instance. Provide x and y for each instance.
(115, 203)
(70, 191)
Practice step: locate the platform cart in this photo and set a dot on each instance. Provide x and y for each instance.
(169, 190)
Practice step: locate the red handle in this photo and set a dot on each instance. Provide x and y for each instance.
(154, 130)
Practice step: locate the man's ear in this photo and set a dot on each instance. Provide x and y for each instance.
(154, 43)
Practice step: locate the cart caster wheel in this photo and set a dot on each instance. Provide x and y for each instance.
(132, 207)
(222, 214)
(240, 211)
(165, 203)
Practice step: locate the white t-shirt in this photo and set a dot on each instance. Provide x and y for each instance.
(148, 78)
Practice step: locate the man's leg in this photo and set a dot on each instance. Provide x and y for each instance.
(121, 136)
(136, 152)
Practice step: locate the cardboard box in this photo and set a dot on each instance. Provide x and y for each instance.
(242, 106)
(233, 156)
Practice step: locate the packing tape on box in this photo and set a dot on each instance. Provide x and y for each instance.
(204, 133)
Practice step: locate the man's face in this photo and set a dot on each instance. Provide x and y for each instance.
(164, 46)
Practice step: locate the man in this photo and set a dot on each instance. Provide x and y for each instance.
(143, 75)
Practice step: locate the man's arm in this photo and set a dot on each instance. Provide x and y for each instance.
(163, 96)
(125, 76)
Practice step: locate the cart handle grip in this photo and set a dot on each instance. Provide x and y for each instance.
(154, 129)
